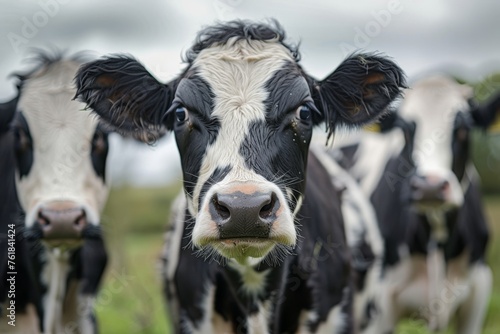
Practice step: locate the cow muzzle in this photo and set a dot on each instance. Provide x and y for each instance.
(62, 222)
(241, 220)
(433, 192)
(240, 215)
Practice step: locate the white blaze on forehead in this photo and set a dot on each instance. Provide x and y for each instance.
(61, 131)
(433, 104)
(237, 73)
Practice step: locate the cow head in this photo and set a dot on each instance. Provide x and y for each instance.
(60, 153)
(444, 116)
(242, 113)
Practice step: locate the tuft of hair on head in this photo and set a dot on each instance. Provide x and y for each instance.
(222, 32)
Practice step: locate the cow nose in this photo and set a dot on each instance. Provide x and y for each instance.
(428, 189)
(240, 215)
(62, 220)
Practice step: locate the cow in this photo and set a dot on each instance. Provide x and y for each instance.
(259, 249)
(362, 236)
(427, 197)
(53, 187)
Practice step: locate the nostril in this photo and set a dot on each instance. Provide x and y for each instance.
(268, 207)
(445, 185)
(81, 220)
(43, 220)
(221, 209)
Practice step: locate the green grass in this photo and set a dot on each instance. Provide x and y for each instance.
(131, 298)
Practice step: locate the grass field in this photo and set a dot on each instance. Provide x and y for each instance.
(131, 298)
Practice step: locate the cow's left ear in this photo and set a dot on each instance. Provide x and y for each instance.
(125, 95)
(7, 112)
(487, 115)
(358, 91)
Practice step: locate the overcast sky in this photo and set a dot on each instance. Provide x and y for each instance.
(420, 35)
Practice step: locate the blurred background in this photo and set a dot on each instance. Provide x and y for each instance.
(459, 37)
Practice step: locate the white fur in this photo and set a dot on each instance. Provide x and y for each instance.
(236, 72)
(258, 323)
(55, 273)
(252, 281)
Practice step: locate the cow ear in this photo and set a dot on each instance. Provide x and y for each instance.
(7, 112)
(125, 95)
(358, 91)
(487, 115)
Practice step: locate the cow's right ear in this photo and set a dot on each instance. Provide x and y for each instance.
(125, 95)
(7, 112)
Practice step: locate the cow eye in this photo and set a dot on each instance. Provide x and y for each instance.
(181, 114)
(304, 113)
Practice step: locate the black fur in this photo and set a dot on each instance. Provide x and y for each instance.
(359, 90)
(99, 151)
(484, 114)
(23, 145)
(125, 95)
(7, 112)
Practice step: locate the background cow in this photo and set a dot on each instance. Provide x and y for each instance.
(242, 113)
(363, 238)
(427, 197)
(52, 185)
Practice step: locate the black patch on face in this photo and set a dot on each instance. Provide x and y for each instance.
(278, 153)
(217, 176)
(198, 130)
(288, 90)
(277, 148)
(460, 143)
(195, 94)
(99, 151)
(23, 145)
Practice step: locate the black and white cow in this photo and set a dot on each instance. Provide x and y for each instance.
(426, 194)
(362, 236)
(258, 250)
(52, 188)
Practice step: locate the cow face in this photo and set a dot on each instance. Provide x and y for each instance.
(242, 114)
(60, 154)
(444, 116)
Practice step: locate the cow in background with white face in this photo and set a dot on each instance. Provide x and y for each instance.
(53, 188)
(426, 194)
